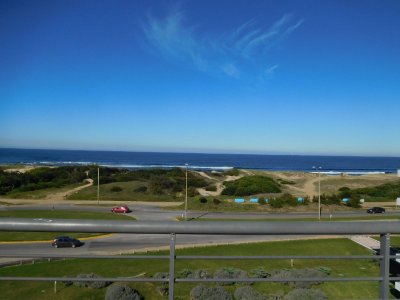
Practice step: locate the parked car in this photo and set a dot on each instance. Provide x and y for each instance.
(121, 209)
(66, 241)
(376, 210)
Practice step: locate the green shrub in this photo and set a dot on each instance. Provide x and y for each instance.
(122, 292)
(262, 201)
(259, 272)
(276, 203)
(300, 273)
(230, 273)
(211, 188)
(91, 284)
(202, 292)
(248, 293)
(306, 294)
(141, 189)
(203, 200)
(232, 172)
(251, 185)
(116, 189)
(216, 201)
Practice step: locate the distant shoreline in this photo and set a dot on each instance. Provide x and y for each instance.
(331, 165)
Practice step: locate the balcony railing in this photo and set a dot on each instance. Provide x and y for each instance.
(383, 229)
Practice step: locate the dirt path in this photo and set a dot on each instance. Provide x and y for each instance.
(310, 188)
(63, 195)
(218, 183)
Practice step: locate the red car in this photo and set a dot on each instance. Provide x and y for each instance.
(121, 209)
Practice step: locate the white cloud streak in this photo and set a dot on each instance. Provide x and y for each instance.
(229, 54)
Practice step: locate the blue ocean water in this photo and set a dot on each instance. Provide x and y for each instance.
(349, 164)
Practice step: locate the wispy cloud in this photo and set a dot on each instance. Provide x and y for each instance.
(230, 54)
(271, 70)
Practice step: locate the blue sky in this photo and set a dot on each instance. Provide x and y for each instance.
(287, 77)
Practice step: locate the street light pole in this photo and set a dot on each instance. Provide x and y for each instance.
(98, 186)
(186, 192)
(319, 192)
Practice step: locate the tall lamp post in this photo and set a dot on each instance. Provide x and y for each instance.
(318, 169)
(98, 186)
(186, 191)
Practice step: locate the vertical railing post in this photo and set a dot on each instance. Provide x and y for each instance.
(171, 267)
(385, 265)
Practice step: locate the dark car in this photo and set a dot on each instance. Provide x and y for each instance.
(121, 209)
(66, 241)
(376, 210)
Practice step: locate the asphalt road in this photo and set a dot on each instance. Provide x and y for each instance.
(118, 243)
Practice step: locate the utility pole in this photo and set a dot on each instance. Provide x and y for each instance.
(98, 186)
(186, 192)
(318, 169)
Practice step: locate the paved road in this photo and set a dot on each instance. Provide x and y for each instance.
(132, 242)
(149, 213)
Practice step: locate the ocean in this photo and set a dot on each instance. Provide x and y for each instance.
(353, 165)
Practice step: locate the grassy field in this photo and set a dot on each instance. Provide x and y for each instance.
(108, 268)
(53, 214)
(126, 194)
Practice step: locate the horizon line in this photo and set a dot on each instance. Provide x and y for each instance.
(206, 152)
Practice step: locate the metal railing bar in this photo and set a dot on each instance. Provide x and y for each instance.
(75, 279)
(191, 257)
(201, 228)
(151, 279)
(84, 256)
(216, 257)
(271, 279)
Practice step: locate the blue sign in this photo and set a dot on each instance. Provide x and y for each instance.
(345, 200)
(239, 200)
(254, 200)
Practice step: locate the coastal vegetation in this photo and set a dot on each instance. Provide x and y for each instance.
(40, 178)
(207, 269)
(251, 185)
(384, 192)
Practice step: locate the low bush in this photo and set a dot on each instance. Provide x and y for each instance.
(216, 201)
(306, 294)
(192, 191)
(202, 292)
(122, 292)
(262, 201)
(91, 284)
(203, 200)
(232, 172)
(211, 188)
(300, 273)
(248, 293)
(251, 185)
(230, 273)
(141, 189)
(161, 275)
(259, 272)
(196, 274)
(116, 189)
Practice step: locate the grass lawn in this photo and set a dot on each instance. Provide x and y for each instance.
(53, 214)
(127, 193)
(108, 268)
(43, 193)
